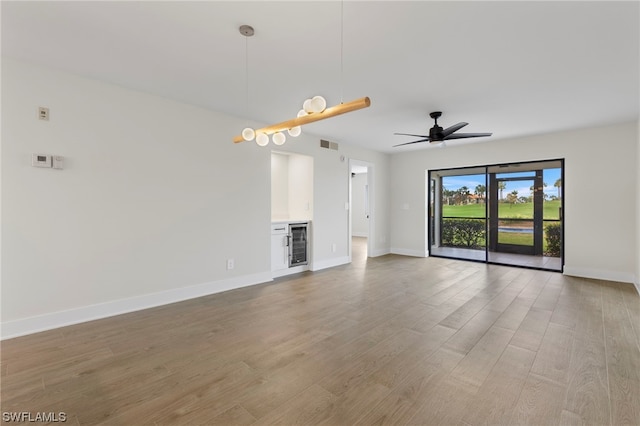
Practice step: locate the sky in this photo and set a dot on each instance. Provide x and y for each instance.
(471, 181)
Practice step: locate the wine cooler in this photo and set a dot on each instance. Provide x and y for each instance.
(298, 244)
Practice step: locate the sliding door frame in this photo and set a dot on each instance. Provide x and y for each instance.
(491, 211)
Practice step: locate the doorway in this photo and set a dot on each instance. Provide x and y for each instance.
(515, 224)
(360, 210)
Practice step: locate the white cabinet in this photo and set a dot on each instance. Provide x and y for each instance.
(279, 246)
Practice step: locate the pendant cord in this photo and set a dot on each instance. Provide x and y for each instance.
(246, 76)
(342, 51)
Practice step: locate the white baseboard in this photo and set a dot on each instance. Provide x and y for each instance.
(601, 274)
(289, 271)
(53, 320)
(329, 263)
(379, 252)
(360, 234)
(409, 252)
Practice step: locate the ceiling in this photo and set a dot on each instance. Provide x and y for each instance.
(511, 68)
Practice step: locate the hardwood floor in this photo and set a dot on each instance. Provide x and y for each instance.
(385, 340)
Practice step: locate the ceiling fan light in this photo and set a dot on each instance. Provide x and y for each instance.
(262, 139)
(318, 104)
(279, 138)
(295, 131)
(248, 134)
(306, 106)
(302, 113)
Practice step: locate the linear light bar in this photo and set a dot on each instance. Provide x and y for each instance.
(310, 118)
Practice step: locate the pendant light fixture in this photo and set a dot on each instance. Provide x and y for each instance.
(248, 134)
(313, 109)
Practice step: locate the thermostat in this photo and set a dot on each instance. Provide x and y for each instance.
(40, 160)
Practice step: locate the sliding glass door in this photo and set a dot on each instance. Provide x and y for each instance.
(459, 213)
(509, 214)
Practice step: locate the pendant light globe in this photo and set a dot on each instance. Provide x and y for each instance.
(318, 104)
(262, 139)
(248, 134)
(306, 106)
(295, 131)
(279, 138)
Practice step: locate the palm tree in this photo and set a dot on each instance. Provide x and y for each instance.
(464, 194)
(446, 195)
(480, 191)
(532, 190)
(558, 185)
(502, 185)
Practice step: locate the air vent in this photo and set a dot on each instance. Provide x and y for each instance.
(328, 145)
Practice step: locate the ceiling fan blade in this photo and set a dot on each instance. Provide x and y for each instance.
(467, 135)
(409, 134)
(449, 130)
(409, 143)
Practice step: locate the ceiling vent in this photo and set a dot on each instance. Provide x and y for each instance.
(328, 145)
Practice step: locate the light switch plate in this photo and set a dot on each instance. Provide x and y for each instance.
(57, 161)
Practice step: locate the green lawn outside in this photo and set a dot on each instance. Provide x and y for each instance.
(518, 238)
(551, 210)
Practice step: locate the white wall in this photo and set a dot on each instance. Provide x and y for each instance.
(291, 187)
(279, 187)
(637, 192)
(300, 187)
(153, 199)
(359, 219)
(600, 164)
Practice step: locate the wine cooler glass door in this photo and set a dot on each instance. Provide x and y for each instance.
(298, 245)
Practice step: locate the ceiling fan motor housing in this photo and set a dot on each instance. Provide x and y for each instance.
(435, 133)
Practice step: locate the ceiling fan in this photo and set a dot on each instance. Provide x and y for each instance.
(438, 134)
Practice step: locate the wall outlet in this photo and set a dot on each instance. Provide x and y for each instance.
(230, 264)
(333, 247)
